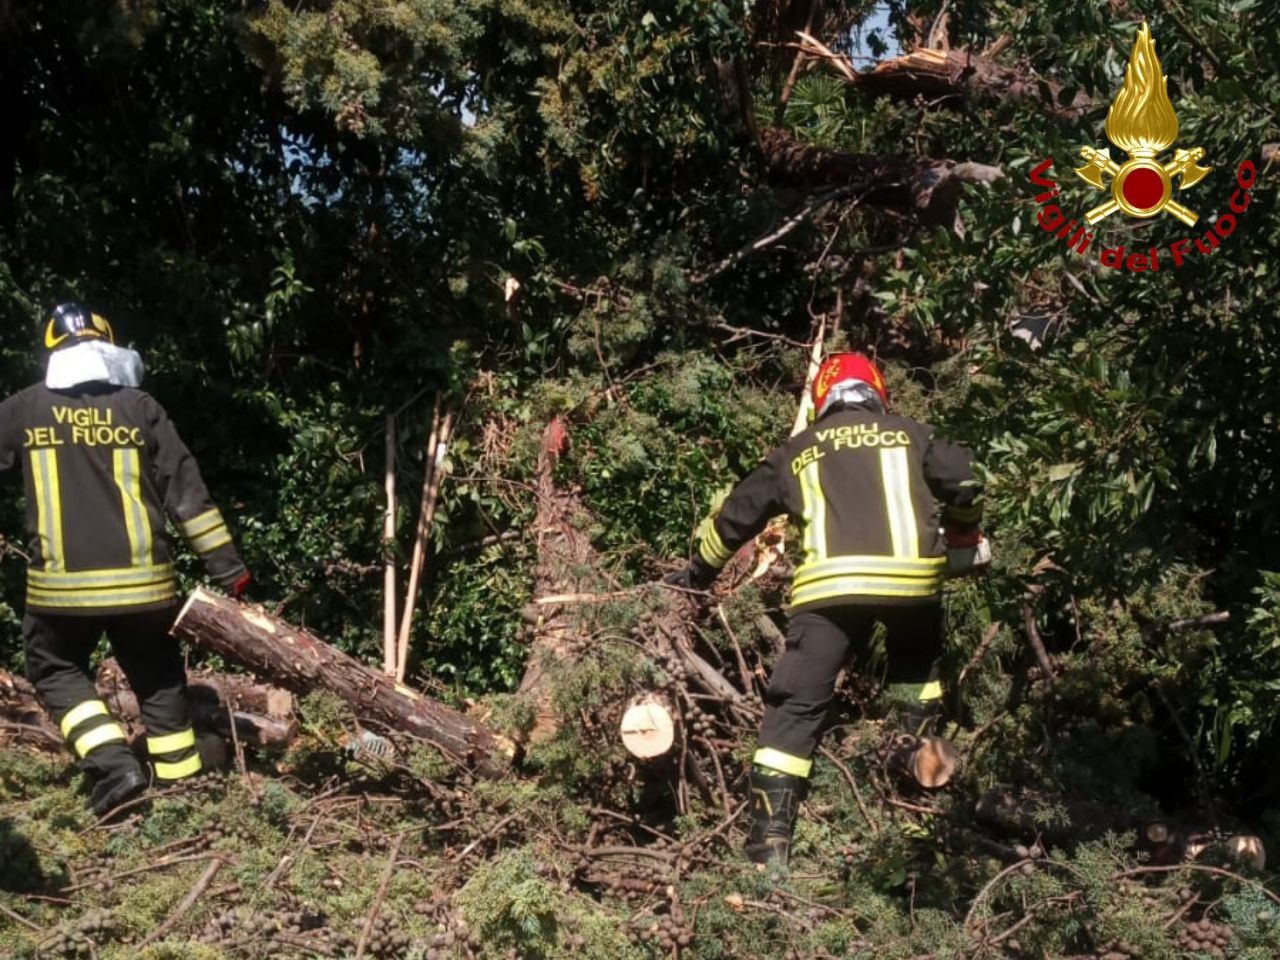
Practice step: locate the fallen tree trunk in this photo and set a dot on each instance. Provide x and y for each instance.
(1058, 821)
(1066, 822)
(297, 661)
(22, 717)
(567, 565)
(569, 587)
(263, 715)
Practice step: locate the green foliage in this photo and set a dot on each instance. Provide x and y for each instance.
(474, 622)
(611, 670)
(185, 951)
(649, 467)
(513, 903)
(518, 205)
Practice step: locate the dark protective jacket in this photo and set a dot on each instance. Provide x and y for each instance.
(104, 468)
(866, 489)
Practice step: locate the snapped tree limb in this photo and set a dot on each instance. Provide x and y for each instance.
(929, 189)
(948, 77)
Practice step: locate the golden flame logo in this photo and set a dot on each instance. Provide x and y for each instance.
(1141, 122)
(828, 379)
(1141, 119)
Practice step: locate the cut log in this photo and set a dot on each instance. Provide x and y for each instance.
(1247, 850)
(926, 763)
(647, 728)
(298, 661)
(23, 720)
(933, 763)
(263, 715)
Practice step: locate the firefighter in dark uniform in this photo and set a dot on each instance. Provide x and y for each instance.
(865, 486)
(104, 469)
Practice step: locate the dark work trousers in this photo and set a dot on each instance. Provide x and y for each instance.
(58, 652)
(820, 643)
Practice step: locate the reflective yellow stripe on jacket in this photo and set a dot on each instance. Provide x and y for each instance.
(868, 576)
(44, 476)
(815, 514)
(206, 532)
(895, 473)
(905, 574)
(128, 474)
(86, 589)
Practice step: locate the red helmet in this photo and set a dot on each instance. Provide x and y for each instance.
(843, 376)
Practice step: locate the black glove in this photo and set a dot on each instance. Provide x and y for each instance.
(695, 575)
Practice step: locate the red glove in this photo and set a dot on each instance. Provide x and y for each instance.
(968, 552)
(240, 586)
(963, 537)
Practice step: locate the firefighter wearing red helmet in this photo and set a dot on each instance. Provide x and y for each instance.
(865, 486)
(105, 473)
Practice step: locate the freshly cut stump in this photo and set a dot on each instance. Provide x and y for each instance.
(933, 763)
(1248, 850)
(647, 728)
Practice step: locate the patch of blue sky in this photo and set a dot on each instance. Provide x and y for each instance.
(860, 43)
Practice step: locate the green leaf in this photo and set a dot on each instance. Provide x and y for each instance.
(1061, 471)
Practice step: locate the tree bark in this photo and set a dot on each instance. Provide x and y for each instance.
(567, 577)
(929, 188)
(22, 717)
(566, 565)
(263, 715)
(950, 75)
(300, 662)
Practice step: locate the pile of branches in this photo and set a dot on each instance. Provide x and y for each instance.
(607, 797)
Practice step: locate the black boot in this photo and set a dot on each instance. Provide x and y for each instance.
(775, 801)
(115, 787)
(215, 754)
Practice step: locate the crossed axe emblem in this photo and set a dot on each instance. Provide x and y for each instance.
(1135, 183)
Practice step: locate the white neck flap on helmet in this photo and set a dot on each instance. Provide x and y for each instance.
(852, 393)
(94, 361)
